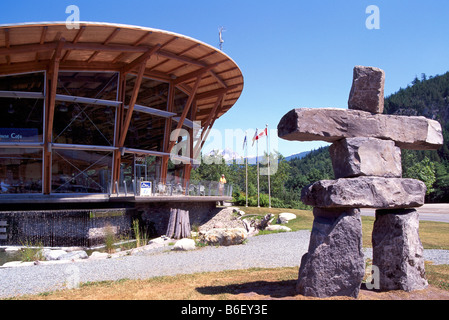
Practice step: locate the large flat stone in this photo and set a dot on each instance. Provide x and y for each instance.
(365, 192)
(334, 264)
(331, 124)
(398, 251)
(367, 91)
(354, 157)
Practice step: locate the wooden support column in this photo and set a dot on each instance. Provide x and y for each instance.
(185, 111)
(118, 125)
(52, 85)
(208, 124)
(188, 166)
(167, 130)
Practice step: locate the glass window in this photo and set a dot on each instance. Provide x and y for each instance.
(96, 85)
(180, 102)
(21, 120)
(28, 82)
(77, 123)
(146, 132)
(152, 93)
(20, 171)
(80, 171)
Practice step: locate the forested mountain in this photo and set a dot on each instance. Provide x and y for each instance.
(427, 97)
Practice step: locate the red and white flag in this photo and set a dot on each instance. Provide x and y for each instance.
(260, 135)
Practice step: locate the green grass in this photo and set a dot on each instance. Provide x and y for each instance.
(434, 235)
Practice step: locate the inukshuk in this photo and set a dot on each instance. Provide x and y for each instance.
(366, 159)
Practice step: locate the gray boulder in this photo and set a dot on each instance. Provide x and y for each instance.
(50, 255)
(332, 124)
(365, 192)
(353, 157)
(224, 236)
(334, 264)
(367, 91)
(398, 251)
(74, 255)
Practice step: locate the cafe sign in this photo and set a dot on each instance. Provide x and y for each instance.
(19, 135)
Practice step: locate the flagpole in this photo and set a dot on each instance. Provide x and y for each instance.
(257, 160)
(268, 154)
(246, 168)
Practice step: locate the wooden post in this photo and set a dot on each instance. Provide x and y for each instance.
(179, 224)
(167, 130)
(118, 126)
(52, 82)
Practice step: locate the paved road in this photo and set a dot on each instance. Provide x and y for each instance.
(429, 212)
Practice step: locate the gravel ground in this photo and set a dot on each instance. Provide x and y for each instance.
(267, 251)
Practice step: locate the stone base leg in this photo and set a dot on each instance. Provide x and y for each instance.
(334, 264)
(398, 251)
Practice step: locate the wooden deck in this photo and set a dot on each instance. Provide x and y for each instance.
(103, 198)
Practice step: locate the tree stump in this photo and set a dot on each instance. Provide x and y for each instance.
(178, 224)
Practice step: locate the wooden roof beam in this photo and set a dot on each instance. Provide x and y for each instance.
(132, 102)
(107, 41)
(143, 58)
(75, 40)
(186, 110)
(7, 44)
(195, 74)
(135, 44)
(26, 48)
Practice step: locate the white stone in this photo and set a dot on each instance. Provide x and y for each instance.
(98, 255)
(50, 255)
(285, 217)
(13, 264)
(74, 255)
(277, 227)
(184, 245)
(161, 240)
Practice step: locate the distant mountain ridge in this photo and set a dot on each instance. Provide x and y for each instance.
(297, 155)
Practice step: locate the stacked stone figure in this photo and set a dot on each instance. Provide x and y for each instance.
(366, 159)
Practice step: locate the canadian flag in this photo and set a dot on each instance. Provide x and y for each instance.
(260, 135)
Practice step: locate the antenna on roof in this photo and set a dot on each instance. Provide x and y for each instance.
(220, 35)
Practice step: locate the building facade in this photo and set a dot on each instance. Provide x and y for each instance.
(98, 109)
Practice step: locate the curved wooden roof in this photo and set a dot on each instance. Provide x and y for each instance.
(113, 47)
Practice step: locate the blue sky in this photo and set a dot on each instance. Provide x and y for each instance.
(292, 53)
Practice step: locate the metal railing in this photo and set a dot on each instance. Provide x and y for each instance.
(156, 188)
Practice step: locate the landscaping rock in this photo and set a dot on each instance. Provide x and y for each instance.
(334, 264)
(354, 157)
(277, 227)
(398, 251)
(365, 192)
(332, 124)
(13, 264)
(162, 240)
(367, 91)
(224, 237)
(285, 217)
(98, 255)
(184, 245)
(74, 255)
(50, 255)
